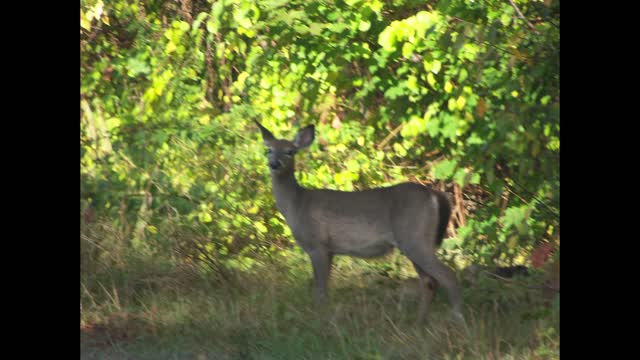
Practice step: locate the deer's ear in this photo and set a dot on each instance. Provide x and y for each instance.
(267, 136)
(305, 137)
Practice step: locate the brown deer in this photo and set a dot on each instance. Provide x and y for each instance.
(369, 223)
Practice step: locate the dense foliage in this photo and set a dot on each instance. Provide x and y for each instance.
(460, 94)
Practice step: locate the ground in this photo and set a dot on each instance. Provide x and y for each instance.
(268, 313)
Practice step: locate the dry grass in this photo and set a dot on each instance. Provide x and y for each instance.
(146, 307)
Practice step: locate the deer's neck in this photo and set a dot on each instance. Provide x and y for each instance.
(286, 192)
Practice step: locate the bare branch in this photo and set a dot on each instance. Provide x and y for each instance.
(515, 7)
(393, 133)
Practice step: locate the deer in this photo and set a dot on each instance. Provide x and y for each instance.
(368, 223)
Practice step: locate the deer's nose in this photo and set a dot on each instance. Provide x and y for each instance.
(274, 164)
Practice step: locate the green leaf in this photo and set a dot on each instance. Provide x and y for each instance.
(432, 80)
(451, 104)
(353, 166)
(171, 47)
(444, 169)
(463, 75)
(217, 9)
(399, 149)
(315, 29)
(85, 22)
(412, 83)
(452, 243)
(205, 217)
(407, 50)
(448, 87)
(338, 27)
(387, 38)
(460, 177)
(260, 227)
(436, 66)
(253, 210)
(136, 66)
(394, 92)
(364, 25)
(196, 23)
(241, 80)
(212, 25)
(112, 123)
(204, 119)
(341, 148)
(505, 19)
(514, 216)
(245, 23)
(426, 65)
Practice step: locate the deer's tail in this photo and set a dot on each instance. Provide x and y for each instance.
(444, 212)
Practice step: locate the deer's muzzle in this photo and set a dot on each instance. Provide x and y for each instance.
(275, 164)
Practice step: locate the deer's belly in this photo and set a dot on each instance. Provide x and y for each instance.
(361, 241)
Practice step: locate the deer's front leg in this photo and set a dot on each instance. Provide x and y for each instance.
(321, 261)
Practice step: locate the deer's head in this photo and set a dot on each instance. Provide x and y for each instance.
(281, 152)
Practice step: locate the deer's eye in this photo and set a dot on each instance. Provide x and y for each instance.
(290, 152)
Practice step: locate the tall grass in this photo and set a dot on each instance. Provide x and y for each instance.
(136, 305)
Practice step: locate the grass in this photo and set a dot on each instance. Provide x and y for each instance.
(147, 308)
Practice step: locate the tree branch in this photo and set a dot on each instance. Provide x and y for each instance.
(393, 133)
(515, 7)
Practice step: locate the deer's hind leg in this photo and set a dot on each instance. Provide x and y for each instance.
(428, 285)
(431, 265)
